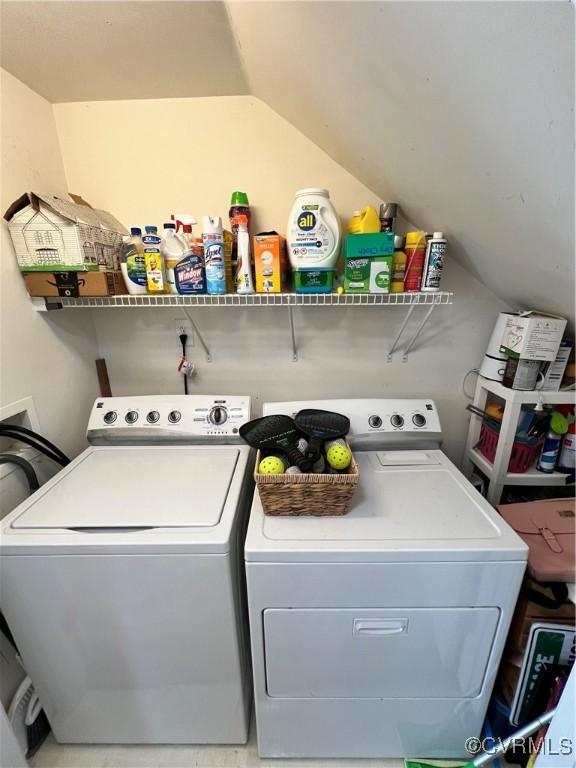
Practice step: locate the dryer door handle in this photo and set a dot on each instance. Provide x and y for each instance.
(380, 627)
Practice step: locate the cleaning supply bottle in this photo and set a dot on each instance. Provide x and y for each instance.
(133, 263)
(415, 250)
(172, 249)
(567, 457)
(364, 221)
(239, 206)
(189, 273)
(433, 262)
(388, 213)
(213, 240)
(155, 274)
(398, 266)
(313, 240)
(552, 443)
(243, 276)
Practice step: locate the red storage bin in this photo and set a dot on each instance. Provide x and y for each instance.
(524, 452)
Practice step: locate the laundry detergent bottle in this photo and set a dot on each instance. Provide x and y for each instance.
(133, 263)
(313, 238)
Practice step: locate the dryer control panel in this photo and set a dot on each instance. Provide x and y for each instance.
(379, 422)
(168, 418)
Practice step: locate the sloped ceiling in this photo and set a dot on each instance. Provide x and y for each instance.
(461, 111)
(100, 50)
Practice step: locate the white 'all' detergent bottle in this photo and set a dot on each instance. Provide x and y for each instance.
(313, 236)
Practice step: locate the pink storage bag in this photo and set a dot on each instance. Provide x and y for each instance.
(549, 529)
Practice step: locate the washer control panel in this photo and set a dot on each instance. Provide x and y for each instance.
(168, 418)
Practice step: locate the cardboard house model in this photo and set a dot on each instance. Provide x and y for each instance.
(52, 234)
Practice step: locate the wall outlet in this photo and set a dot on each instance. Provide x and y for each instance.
(182, 325)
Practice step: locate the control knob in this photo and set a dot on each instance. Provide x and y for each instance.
(396, 420)
(218, 415)
(174, 417)
(110, 417)
(131, 417)
(152, 417)
(419, 420)
(375, 421)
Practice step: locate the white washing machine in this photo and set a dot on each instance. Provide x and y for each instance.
(379, 633)
(122, 577)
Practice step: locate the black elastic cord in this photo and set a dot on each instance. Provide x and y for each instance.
(25, 466)
(4, 432)
(38, 437)
(183, 340)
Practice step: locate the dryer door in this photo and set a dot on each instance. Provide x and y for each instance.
(378, 653)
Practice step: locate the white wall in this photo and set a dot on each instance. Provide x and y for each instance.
(464, 111)
(143, 160)
(49, 357)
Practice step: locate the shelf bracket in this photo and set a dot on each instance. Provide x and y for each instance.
(399, 334)
(293, 335)
(417, 333)
(200, 337)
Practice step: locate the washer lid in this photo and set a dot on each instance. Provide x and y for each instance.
(136, 487)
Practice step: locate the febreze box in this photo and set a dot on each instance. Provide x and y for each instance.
(270, 262)
(532, 336)
(368, 262)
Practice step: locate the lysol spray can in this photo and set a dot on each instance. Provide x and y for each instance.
(214, 254)
(549, 453)
(434, 262)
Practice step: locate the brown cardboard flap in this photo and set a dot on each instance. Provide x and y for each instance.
(28, 198)
(79, 200)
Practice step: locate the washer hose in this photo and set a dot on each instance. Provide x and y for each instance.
(35, 440)
(25, 466)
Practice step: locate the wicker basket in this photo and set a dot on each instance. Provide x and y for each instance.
(307, 494)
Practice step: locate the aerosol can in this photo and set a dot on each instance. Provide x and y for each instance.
(213, 239)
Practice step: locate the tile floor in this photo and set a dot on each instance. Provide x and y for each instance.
(53, 755)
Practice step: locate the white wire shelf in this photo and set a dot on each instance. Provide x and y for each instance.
(254, 300)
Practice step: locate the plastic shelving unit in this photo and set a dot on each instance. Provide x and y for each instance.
(497, 473)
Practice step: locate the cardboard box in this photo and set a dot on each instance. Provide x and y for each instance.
(533, 336)
(380, 272)
(75, 284)
(270, 262)
(366, 257)
(52, 234)
(554, 371)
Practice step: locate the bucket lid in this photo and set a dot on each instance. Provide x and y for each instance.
(313, 191)
(239, 198)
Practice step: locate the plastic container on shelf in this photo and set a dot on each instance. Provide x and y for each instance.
(415, 250)
(524, 451)
(313, 240)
